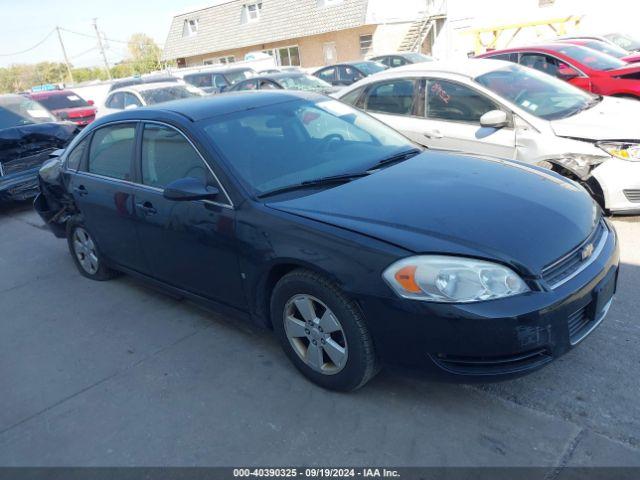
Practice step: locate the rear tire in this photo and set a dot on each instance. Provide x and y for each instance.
(322, 332)
(85, 253)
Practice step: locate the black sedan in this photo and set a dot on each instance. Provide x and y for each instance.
(344, 74)
(394, 60)
(284, 81)
(357, 248)
(29, 133)
(218, 80)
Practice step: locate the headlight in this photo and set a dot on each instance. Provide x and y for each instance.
(622, 150)
(440, 278)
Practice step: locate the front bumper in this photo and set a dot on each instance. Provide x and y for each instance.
(497, 339)
(620, 183)
(19, 186)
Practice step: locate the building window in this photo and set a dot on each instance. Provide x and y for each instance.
(366, 42)
(190, 27)
(251, 12)
(285, 56)
(227, 59)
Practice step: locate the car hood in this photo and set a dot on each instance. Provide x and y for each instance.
(611, 119)
(448, 203)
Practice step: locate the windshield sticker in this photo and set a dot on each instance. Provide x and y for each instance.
(337, 108)
(526, 103)
(38, 113)
(533, 107)
(73, 98)
(440, 92)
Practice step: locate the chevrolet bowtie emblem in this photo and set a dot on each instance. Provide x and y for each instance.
(587, 252)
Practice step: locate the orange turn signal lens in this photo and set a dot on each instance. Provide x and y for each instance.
(406, 277)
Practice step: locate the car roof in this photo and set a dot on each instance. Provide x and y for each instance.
(50, 93)
(141, 87)
(470, 68)
(220, 70)
(200, 108)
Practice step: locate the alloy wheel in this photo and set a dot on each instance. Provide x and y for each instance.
(315, 334)
(85, 251)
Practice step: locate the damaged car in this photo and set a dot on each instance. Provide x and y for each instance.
(355, 246)
(29, 134)
(497, 108)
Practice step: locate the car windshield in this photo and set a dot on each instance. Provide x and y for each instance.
(370, 67)
(17, 110)
(304, 82)
(166, 94)
(235, 76)
(283, 145)
(591, 58)
(607, 48)
(61, 101)
(417, 57)
(535, 92)
(624, 41)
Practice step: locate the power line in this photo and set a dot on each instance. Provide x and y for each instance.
(30, 48)
(93, 36)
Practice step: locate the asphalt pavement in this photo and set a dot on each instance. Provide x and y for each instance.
(117, 374)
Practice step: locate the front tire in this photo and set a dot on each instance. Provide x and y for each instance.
(322, 332)
(85, 253)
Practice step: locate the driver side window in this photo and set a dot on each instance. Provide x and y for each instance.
(167, 156)
(454, 102)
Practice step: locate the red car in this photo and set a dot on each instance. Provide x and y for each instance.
(583, 67)
(605, 47)
(66, 105)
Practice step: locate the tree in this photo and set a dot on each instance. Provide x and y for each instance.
(145, 54)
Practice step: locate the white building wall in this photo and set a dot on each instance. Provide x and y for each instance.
(599, 17)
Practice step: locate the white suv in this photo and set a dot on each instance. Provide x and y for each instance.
(491, 107)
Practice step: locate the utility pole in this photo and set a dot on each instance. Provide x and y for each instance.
(64, 53)
(101, 47)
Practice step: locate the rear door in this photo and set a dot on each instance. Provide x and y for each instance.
(190, 245)
(104, 193)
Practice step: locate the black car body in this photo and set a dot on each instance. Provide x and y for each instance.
(219, 80)
(344, 74)
(284, 81)
(244, 243)
(400, 59)
(27, 138)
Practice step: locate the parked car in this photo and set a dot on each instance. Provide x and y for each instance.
(346, 73)
(359, 250)
(217, 81)
(400, 59)
(491, 107)
(29, 133)
(66, 105)
(147, 94)
(583, 67)
(130, 81)
(285, 81)
(628, 42)
(604, 47)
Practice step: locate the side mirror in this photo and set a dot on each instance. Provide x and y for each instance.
(186, 189)
(494, 119)
(565, 72)
(90, 102)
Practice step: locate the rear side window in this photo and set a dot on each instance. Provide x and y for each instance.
(116, 101)
(74, 159)
(328, 74)
(395, 97)
(167, 156)
(352, 97)
(201, 80)
(112, 150)
(397, 62)
(350, 74)
(454, 102)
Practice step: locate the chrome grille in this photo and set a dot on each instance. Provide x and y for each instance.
(26, 163)
(573, 263)
(632, 195)
(577, 321)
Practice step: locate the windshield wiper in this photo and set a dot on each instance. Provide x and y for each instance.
(591, 103)
(397, 157)
(333, 179)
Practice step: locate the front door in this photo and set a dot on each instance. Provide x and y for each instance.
(188, 244)
(451, 116)
(103, 192)
(329, 52)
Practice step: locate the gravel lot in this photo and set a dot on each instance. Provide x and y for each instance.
(116, 374)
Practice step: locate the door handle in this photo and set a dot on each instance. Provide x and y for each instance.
(433, 134)
(147, 208)
(81, 190)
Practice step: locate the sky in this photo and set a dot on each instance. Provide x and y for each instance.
(27, 22)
